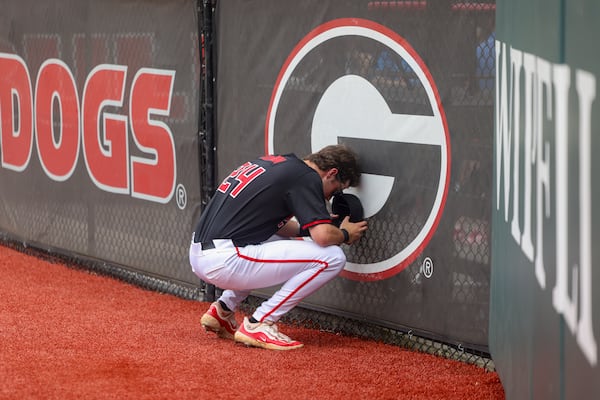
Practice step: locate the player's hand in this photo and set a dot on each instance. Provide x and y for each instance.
(355, 229)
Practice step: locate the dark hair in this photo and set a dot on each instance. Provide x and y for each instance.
(341, 157)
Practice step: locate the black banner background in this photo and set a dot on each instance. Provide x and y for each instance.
(75, 215)
(254, 40)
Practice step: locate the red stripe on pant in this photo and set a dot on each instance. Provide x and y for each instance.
(325, 265)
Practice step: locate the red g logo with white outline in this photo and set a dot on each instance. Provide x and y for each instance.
(356, 82)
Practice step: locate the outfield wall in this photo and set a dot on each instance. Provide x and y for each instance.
(544, 318)
(99, 118)
(103, 117)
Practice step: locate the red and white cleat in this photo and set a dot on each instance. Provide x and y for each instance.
(217, 320)
(265, 335)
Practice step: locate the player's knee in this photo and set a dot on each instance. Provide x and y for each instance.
(337, 258)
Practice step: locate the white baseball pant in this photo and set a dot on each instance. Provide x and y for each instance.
(302, 266)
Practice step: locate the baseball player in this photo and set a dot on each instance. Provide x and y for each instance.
(242, 240)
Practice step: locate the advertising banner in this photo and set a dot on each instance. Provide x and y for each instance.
(99, 128)
(409, 86)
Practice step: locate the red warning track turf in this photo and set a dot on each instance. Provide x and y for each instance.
(70, 334)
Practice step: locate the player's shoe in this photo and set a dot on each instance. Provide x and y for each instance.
(217, 320)
(265, 335)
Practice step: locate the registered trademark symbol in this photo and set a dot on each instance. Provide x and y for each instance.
(181, 196)
(427, 267)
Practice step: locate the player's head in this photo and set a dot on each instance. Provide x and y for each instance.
(338, 161)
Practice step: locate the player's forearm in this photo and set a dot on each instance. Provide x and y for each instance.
(327, 234)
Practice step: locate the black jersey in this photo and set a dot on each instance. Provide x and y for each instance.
(259, 197)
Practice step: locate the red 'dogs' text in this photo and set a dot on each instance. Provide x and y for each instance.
(62, 124)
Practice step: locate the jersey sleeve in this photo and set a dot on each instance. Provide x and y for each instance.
(307, 202)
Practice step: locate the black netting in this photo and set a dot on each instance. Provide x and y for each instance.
(77, 212)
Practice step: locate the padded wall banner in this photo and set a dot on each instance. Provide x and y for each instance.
(99, 123)
(545, 296)
(408, 85)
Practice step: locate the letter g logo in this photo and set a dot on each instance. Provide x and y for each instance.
(399, 131)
